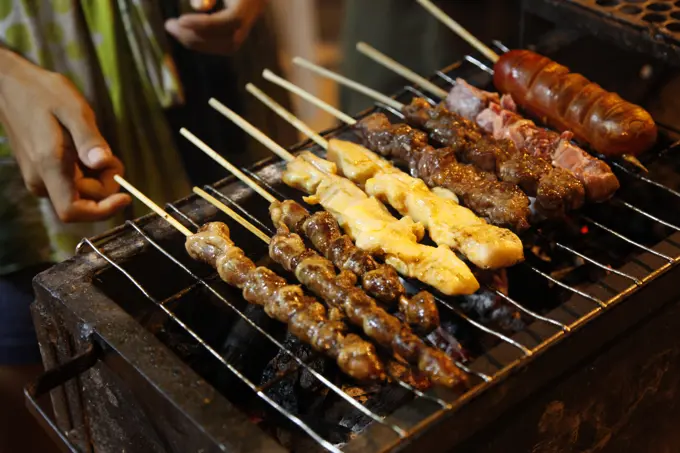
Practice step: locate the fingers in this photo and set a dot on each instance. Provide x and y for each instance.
(93, 211)
(78, 118)
(209, 33)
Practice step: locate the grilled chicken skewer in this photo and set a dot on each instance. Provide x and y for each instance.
(366, 220)
(557, 191)
(338, 290)
(498, 202)
(306, 318)
(450, 224)
(380, 281)
(498, 116)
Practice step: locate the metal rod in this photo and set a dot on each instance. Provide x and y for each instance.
(175, 209)
(238, 207)
(637, 281)
(479, 64)
(400, 431)
(529, 312)
(646, 214)
(567, 287)
(293, 418)
(271, 189)
(499, 45)
(483, 328)
(419, 93)
(645, 179)
(630, 241)
(445, 77)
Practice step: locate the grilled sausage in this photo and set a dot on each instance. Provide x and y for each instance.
(569, 101)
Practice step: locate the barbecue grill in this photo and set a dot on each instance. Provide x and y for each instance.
(149, 351)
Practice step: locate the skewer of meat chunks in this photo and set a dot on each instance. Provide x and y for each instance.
(565, 100)
(502, 204)
(338, 290)
(380, 281)
(498, 117)
(306, 318)
(365, 219)
(449, 224)
(557, 191)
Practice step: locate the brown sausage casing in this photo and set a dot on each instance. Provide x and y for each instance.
(568, 101)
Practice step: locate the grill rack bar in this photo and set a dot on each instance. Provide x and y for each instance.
(445, 406)
(258, 389)
(296, 420)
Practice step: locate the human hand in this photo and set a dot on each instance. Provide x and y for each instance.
(55, 140)
(220, 33)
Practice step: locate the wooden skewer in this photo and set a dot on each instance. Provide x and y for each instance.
(231, 213)
(151, 205)
(226, 164)
(459, 30)
(400, 69)
(288, 116)
(267, 74)
(342, 80)
(252, 130)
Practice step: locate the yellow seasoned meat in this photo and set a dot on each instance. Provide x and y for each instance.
(375, 230)
(449, 224)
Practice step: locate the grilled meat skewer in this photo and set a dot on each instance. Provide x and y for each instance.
(337, 289)
(306, 318)
(500, 203)
(498, 116)
(378, 280)
(557, 190)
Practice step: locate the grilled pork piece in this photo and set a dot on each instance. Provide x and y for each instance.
(378, 280)
(499, 117)
(500, 203)
(318, 274)
(306, 318)
(486, 246)
(502, 157)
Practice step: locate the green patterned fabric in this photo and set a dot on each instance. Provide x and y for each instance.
(115, 52)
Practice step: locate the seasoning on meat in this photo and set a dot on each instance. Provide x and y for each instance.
(318, 274)
(306, 318)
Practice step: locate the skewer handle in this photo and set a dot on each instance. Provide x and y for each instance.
(226, 164)
(151, 205)
(459, 30)
(231, 213)
(342, 80)
(307, 96)
(251, 130)
(287, 115)
(400, 69)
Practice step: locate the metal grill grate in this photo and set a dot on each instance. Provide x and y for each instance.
(623, 259)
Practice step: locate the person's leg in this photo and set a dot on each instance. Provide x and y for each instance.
(19, 363)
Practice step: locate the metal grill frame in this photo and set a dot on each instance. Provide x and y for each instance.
(632, 33)
(433, 414)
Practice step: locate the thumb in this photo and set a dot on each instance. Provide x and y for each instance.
(92, 149)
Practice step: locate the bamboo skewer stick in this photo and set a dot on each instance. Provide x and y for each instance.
(400, 69)
(459, 30)
(288, 116)
(252, 130)
(231, 213)
(151, 205)
(267, 74)
(226, 164)
(342, 80)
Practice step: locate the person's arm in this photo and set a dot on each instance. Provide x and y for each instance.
(220, 33)
(54, 137)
